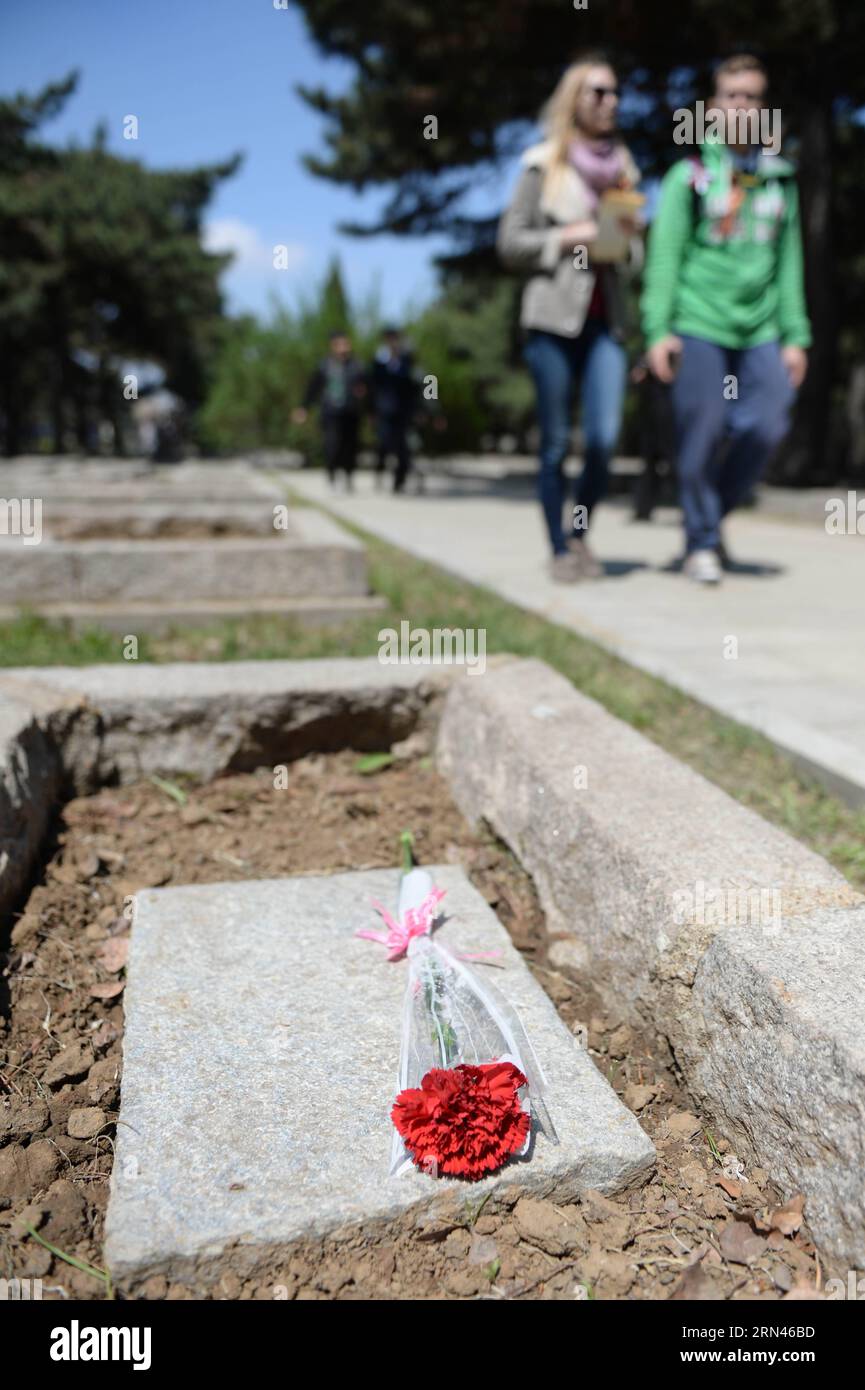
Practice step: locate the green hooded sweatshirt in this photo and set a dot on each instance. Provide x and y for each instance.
(736, 285)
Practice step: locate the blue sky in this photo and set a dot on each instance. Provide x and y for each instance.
(207, 78)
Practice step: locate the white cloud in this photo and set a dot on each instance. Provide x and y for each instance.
(251, 254)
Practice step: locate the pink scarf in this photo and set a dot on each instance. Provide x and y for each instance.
(600, 164)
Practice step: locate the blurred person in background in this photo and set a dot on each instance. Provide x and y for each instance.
(338, 385)
(724, 312)
(657, 440)
(393, 395)
(573, 304)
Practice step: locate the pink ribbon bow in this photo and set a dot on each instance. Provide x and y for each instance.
(417, 921)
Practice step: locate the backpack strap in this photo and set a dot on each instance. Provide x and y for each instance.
(699, 174)
(698, 182)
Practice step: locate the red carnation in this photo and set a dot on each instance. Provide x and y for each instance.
(466, 1121)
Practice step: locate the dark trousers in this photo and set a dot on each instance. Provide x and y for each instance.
(751, 423)
(657, 446)
(392, 437)
(339, 429)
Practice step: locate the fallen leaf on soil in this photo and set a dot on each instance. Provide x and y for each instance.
(786, 1219)
(739, 1244)
(109, 990)
(114, 953)
(373, 762)
(732, 1189)
(170, 788)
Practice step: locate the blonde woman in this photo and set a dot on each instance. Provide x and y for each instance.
(572, 305)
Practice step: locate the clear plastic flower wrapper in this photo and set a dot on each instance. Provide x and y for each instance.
(471, 1090)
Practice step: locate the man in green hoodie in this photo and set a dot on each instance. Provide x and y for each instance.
(724, 309)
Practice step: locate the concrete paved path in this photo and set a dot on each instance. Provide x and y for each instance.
(796, 608)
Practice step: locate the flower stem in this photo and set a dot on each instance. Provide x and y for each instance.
(406, 843)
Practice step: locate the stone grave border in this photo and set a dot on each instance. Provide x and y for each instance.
(140, 577)
(626, 847)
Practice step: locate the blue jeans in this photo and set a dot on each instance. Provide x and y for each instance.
(756, 420)
(556, 363)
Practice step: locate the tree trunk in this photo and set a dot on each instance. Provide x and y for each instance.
(13, 418)
(855, 413)
(808, 457)
(58, 398)
(58, 445)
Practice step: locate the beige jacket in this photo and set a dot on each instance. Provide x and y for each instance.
(557, 295)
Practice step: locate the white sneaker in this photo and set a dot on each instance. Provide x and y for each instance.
(703, 566)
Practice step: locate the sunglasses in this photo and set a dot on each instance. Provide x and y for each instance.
(600, 92)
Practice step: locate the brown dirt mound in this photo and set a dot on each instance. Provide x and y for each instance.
(699, 1229)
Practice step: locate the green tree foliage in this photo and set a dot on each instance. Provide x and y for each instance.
(261, 370)
(483, 71)
(334, 311)
(460, 342)
(466, 338)
(100, 261)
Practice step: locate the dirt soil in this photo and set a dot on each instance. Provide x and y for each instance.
(700, 1228)
(166, 528)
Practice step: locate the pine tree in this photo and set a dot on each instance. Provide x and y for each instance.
(100, 261)
(482, 72)
(335, 312)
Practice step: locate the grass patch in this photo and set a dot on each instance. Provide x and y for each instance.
(101, 1274)
(33, 641)
(732, 756)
